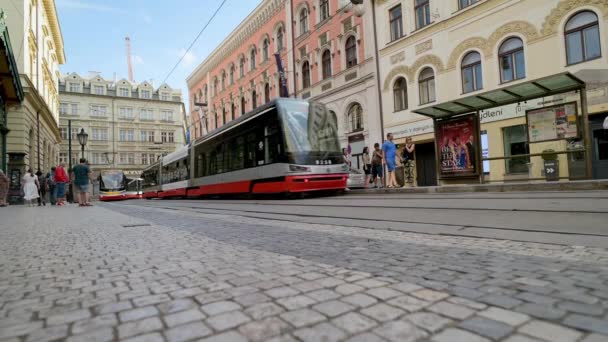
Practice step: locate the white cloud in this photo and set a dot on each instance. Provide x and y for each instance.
(137, 60)
(82, 5)
(189, 57)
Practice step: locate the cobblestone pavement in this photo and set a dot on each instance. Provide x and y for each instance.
(144, 274)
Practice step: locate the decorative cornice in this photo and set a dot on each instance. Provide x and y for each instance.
(410, 71)
(51, 14)
(552, 21)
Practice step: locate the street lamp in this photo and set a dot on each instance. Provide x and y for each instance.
(82, 139)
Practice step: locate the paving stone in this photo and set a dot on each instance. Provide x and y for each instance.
(264, 329)
(371, 282)
(536, 298)
(405, 287)
(321, 332)
(595, 310)
(227, 320)
(302, 317)
(353, 323)
(176, 306)
(212, 297)
(587, 323)
(280, 292)
(359, 299)
(153, 337)
(322, 295)
(467, 302)
(150, 300)
(428, 321)
(252, 299)
(365, 337)
(451, 310)
(595, 338)
(509, 317)
(486, 327)
(183, 317)
(383, 293)
(94, 323)
(520, 338)
(68, 317)
(430, 295)
(20, 329)
(541, 311)
(57, 332)
(112, 307)
(219, 307)
(347, 289)
(333, 308)
(187, 332)
(330, 281)
(550, 332)
(457, 335)
(531, 281)
(230, 336)
(102, 335)
(382, 312)
(143, 326)
(263, 310)
(295, 302)
(137, 314)
(503, 301)
(400, 331)
(408, 303)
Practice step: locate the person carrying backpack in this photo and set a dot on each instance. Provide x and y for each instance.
(377, 165)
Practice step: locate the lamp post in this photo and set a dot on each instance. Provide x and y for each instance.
(83, 137)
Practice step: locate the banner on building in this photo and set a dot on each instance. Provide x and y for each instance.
(552, 123)
(458, 146)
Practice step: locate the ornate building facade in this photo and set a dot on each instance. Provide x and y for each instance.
(435, 51)
(129, 125)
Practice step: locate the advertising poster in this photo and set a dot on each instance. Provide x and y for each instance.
(458, 147)
(552, 123)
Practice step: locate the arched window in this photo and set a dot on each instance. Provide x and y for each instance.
(355, 117)
(326, 63)
(426, 85)
(400, 94)
(305, 75)
(280, 39)
(232, 74)
(224, 115)
(242, 67)
(223, 80)
(471, 72)
(252, 59)
(304, 20)
(215, 86)
(265, 47)
(217, 119)
(206, 93)
(351, 52)
(323, 10)
(242, 106)
(254, 99)
(582, 38)
(232, 111)
(511, 59)
(267, 93)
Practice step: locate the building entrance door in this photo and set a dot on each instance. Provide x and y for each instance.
(426, 165)
(600, 151)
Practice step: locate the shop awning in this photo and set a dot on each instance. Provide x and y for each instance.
(9, 74)
(546, 86)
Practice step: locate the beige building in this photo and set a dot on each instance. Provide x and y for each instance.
(37, 42)
(129, 125)
(436, 51)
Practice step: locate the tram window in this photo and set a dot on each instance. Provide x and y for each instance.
(273, 145)
(239, 151)
(200, 159)
(219, 155)
(250, 148)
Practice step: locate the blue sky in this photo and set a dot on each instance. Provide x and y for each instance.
(160, 31)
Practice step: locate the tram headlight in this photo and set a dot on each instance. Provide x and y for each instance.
(297, 168)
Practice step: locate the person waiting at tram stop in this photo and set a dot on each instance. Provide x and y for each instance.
(61, 179)
(82, 174)
(407, 158)
(389, 151)
(377, 169)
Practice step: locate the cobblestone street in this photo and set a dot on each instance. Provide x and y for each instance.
(135, 273)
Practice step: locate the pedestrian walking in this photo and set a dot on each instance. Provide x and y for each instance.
(43, 188)
(30, 188)
(345, 157)
(82, 173)
(389, 151)
(377, 171)
(4, 184)
(408, 162)
(367, 165)
(50, 180)
(61, 179)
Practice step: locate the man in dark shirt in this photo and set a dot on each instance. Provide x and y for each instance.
(82, 173)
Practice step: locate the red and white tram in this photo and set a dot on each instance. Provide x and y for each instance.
(285, 146)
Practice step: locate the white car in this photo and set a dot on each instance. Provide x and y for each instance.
(356, 179)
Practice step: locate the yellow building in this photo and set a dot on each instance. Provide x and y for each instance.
(436, 51)
(37, 41)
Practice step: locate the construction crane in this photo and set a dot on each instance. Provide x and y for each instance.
(129, 58)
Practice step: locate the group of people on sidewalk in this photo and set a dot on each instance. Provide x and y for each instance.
(387, 155)
(52, 186)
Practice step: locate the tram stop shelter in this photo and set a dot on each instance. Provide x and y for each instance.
(458, 133)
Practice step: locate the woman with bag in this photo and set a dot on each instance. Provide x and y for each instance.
(30, 188)
(43, 187)
(367, 165)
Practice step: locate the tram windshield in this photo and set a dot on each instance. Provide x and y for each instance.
(311, 133)
(112, 180)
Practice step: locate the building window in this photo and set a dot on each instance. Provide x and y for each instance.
(232, 111)
(396, 22)
(252, 56)
(146, 114)
(147, 136)
(426, 85)
(471, 72)
(516, 143)
(242, 67)
(63, 109)
(355, 117)
(216, 86)
(400, 94)
(166, 115)
(123, 92)
(280, 39)
(304, 20)
(511, 59)
(582, 38)
(144, 159)
(126, 135)
(242, 106)
(224, 115)
(125, 113)
(267, 93)
(466, 3)
(223, 80)
(75, 87)
(351, 52)
(74, 134)
(98, 90)
(64, 133)
(305, 75)
(324, 10)
(326, 63)
(167, 137)
(423, 13)
(232, 74)
(99, 134)
(265, 47)
(206, 93)
(254, 99)
(165, 97)
(97, 158)
(146, 94)
(98, 110)
(63, 157)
